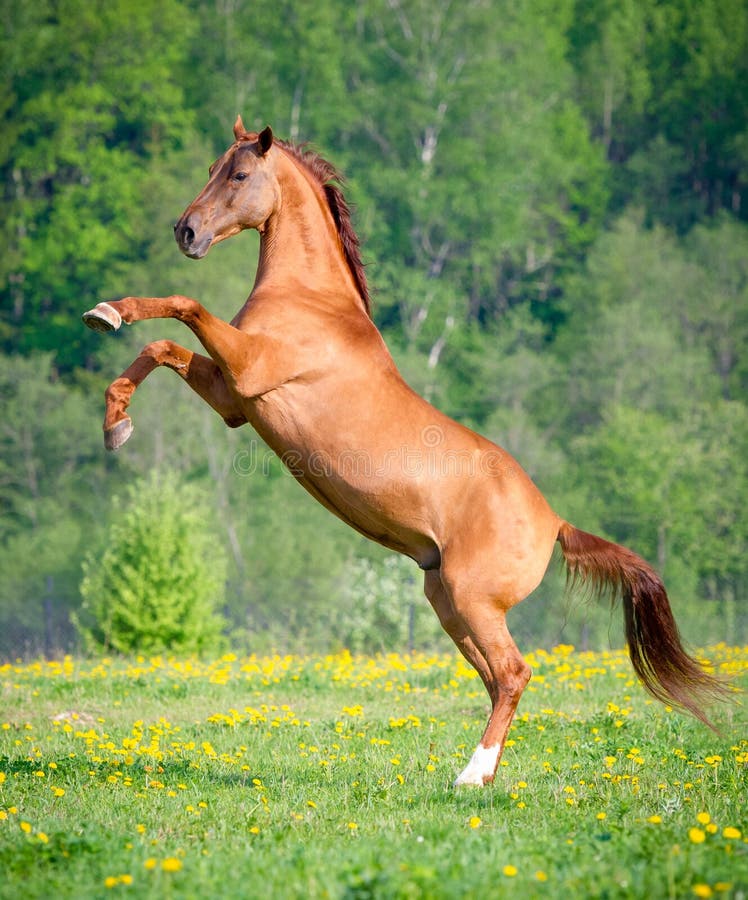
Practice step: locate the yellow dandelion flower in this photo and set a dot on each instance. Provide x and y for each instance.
(150, 863)
(703, 818)
(352, 826)
(26, 827)
(510, 871)
(702, 890)
(42, 837)
(732, 834)
(601, 816)
(125, 879)
(655, 820)
(171, 864)
(712, 828)
(3, 815)
(2, 777)
(111, 881)
(540, 875)
(254, 830)
(475, 822)
(696, 836)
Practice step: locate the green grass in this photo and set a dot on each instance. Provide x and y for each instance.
(331, 777)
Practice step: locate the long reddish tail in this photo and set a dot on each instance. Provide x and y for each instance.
(655, 647)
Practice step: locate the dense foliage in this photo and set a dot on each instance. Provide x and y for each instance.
(553, 201)
(159, 579)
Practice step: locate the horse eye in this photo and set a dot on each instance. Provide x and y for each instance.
(238, 176)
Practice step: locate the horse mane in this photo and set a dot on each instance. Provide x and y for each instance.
(331, 182)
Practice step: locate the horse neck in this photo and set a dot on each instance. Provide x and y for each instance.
(299, 244)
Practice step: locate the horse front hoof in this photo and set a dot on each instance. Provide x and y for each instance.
(103, 318)
(118, 434)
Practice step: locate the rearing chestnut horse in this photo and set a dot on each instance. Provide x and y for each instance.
(303, 363)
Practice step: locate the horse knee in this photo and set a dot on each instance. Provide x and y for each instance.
(158, 350)
(187, 310)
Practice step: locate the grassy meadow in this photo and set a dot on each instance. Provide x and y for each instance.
(331, 776)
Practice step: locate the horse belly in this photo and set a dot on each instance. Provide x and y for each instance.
(392, 525)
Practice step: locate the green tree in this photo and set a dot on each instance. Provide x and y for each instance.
(652, 357)
(664, 86)
(673, 491)
(485, 175)
(624, 342)
(292, 553)
(80, 128)
(719, 530)
(159, 579)
(383, 608)
(715, 312)
(50, 466)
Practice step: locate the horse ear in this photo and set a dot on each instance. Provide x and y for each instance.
(239, 129)
(265, 140)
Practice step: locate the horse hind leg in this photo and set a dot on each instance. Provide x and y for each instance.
(509, 674)
(480, 633)
(199, 372)
(442, 604)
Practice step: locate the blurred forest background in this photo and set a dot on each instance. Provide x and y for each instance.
(553, 200)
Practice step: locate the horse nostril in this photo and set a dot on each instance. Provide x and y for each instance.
(193, 242)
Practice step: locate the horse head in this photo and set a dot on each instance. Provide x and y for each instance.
(241, 193)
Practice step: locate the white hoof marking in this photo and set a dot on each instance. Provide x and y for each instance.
(481, 767)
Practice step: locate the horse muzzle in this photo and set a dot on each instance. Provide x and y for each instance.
(192, 244)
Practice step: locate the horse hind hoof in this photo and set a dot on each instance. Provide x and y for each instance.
(103, 318)
(118, 434)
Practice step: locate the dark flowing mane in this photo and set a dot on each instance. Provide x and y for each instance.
(331, 182)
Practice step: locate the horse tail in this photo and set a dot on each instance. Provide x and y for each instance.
(655, 648)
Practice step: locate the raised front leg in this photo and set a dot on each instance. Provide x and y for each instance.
(199, 372)
(109, 316)
(228, 346)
